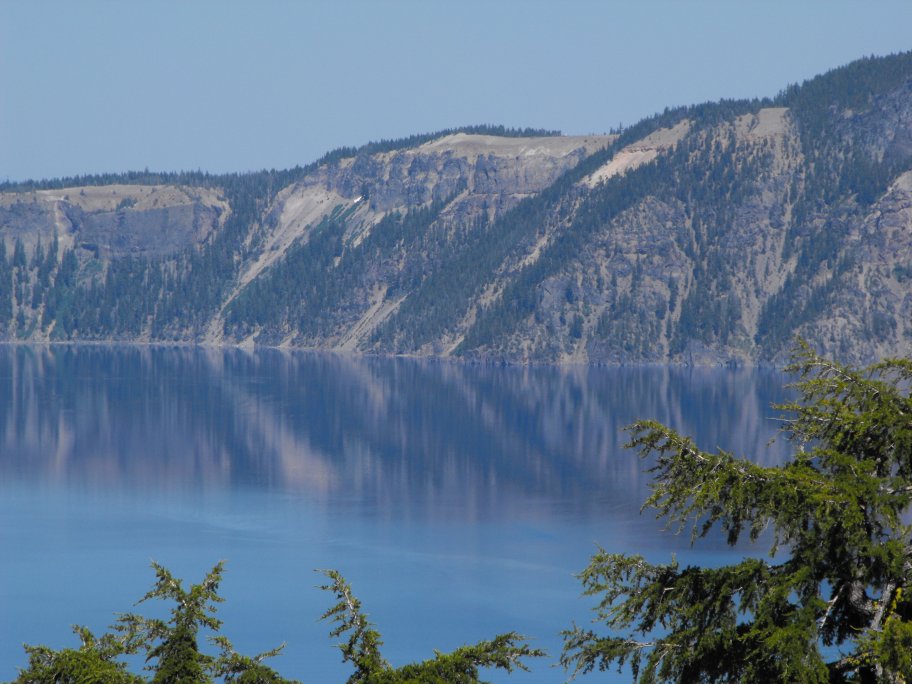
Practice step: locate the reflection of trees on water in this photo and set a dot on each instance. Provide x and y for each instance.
(392, 434)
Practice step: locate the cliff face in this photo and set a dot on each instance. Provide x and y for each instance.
(869, 309)
(683, 264)
(476, 177)
(707, 234)
(446, 191)
(113, 220)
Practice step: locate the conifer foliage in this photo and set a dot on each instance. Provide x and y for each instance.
(832, 603)
(174, 654)
(362, 648)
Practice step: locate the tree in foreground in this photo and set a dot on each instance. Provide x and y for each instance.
(172, 646)
(362, 645)
(95, 661)
(174, 656)
(834, 601)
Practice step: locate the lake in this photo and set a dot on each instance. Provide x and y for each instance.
(458, 500)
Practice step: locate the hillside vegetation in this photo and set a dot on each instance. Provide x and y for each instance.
(705, 234)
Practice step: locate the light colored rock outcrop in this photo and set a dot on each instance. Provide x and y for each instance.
(114, 220)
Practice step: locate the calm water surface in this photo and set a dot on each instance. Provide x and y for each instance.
(459, 501)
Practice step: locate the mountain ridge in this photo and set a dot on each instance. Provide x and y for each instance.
(707, 234)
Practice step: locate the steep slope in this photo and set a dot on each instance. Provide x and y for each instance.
(670, 260)
(758, 227)
(707, 234)
(353, 238)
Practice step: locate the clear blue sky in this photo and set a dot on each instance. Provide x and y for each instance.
(91, 86)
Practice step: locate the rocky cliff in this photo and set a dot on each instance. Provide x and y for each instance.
(113, 220)
(707, 234)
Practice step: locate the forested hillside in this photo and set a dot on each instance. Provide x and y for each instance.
(706, 234)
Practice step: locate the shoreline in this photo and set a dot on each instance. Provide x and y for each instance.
(733, 364)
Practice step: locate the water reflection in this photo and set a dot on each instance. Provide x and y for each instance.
(459, 500)
(400, 436)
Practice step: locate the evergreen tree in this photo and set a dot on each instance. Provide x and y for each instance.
(95, 662)
(173, 645)
(840, 567)
(174, 656)
(362, 648)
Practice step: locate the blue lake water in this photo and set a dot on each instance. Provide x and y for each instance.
(458, 500)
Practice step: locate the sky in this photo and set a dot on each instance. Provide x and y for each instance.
(93, 86)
